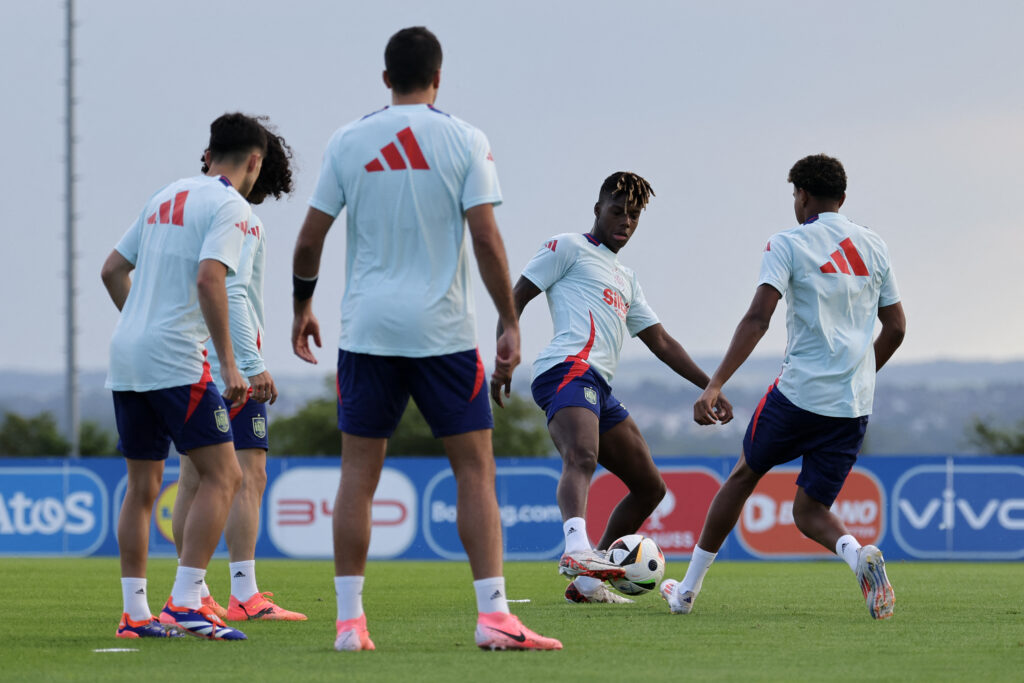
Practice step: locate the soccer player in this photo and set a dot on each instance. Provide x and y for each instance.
(595, 302)
(411, 177)
(837, 280)
(249, 419)
(181, 248)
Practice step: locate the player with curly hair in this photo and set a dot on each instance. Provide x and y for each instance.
(249, 419)
(595, 303)
(837, 280)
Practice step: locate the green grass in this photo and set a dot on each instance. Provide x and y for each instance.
(753, 621)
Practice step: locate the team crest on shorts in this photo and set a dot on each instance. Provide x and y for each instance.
(590, 395)
(259, 426)
(223, 423)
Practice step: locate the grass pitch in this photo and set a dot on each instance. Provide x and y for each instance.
(753, 621)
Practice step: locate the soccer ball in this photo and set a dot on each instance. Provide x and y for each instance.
(643, 561)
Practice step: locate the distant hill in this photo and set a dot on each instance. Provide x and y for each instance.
(919, 407)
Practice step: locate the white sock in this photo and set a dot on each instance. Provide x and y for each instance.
(243, 579)
(349, 592)
(187, 589)
(587, 585)
(491, 595)
(575, 530)
(133, 596)
(700, 562)
(846, 548)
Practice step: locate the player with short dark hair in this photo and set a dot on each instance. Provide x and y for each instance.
(595, 303)
(248, 419)
(411, 58)
(185, 242)
(411, 177)
(837, 280)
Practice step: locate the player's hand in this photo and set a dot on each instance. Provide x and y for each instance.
(505, 362)
(304, 325)
(706, 411)
(723, 410)
(263, 388)
(236, 389)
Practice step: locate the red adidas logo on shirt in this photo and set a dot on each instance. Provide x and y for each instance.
(551, 244)
(167, 214)
(394, 158)
(852, 264)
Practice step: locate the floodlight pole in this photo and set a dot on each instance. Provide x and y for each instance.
(71, 371)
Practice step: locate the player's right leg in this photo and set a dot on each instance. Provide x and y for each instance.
(188, 484)
(145, 444)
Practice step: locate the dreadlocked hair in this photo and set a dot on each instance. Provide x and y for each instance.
(637, 190)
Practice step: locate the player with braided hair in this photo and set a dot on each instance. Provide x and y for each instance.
(595, 301)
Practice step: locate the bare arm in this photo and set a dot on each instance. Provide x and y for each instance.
(306, 264)
(522, 294)
(213, 300)
(493, 263)
(116, 277)
(748, 333)
(671, 353)
(894, 326)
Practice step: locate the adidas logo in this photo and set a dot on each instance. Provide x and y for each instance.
(394, 158)
(843, 548)
(141, 591)
(199, 582)
(173, 214)
(495, 595)
(239, 574)
(551, 245)
(852, 264)
(572, 530)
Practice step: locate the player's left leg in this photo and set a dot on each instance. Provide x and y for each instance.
(241, 532)
(624, 453)
(188, 484)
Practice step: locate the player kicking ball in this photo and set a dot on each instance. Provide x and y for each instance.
(167, 277)
(837, 281)
(248, 419)
(595, 303)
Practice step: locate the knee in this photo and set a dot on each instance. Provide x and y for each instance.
(580, 459)
(806, 514)
(254, 480)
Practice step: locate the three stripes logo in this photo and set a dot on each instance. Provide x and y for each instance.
(172, 213)
(847, 259)
(394, 158)
(551, 244)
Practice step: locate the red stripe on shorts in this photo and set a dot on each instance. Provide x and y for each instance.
(757, 413)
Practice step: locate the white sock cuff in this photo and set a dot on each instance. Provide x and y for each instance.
(576, 538)
(491, 595)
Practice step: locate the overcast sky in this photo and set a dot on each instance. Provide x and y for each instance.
(923, 101)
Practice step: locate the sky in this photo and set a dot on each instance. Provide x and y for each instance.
(923, 102)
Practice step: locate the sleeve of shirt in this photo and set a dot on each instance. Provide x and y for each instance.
(244, 334)
(551, 262)
(481, 186)
(128, 246)
(889, 293)
(640, 315)
(776, 264)
(224, 239)
(329, 195)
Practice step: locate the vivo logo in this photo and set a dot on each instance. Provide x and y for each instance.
(960, 511)
(1009, 514)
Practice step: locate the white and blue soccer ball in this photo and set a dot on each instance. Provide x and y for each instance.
(643, 561)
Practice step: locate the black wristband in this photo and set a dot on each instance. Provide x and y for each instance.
(302, 288)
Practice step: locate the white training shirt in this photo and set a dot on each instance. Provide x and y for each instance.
(407, 175)
(245, 307)
(594, 300)
(158, 341)
(835, 275)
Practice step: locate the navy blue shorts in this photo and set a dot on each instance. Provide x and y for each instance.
(249, 425)
(192, 416)
(780, 432)
(573, 383)
(373, 392)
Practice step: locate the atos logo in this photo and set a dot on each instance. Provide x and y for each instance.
(960, 511)
(51, 511)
